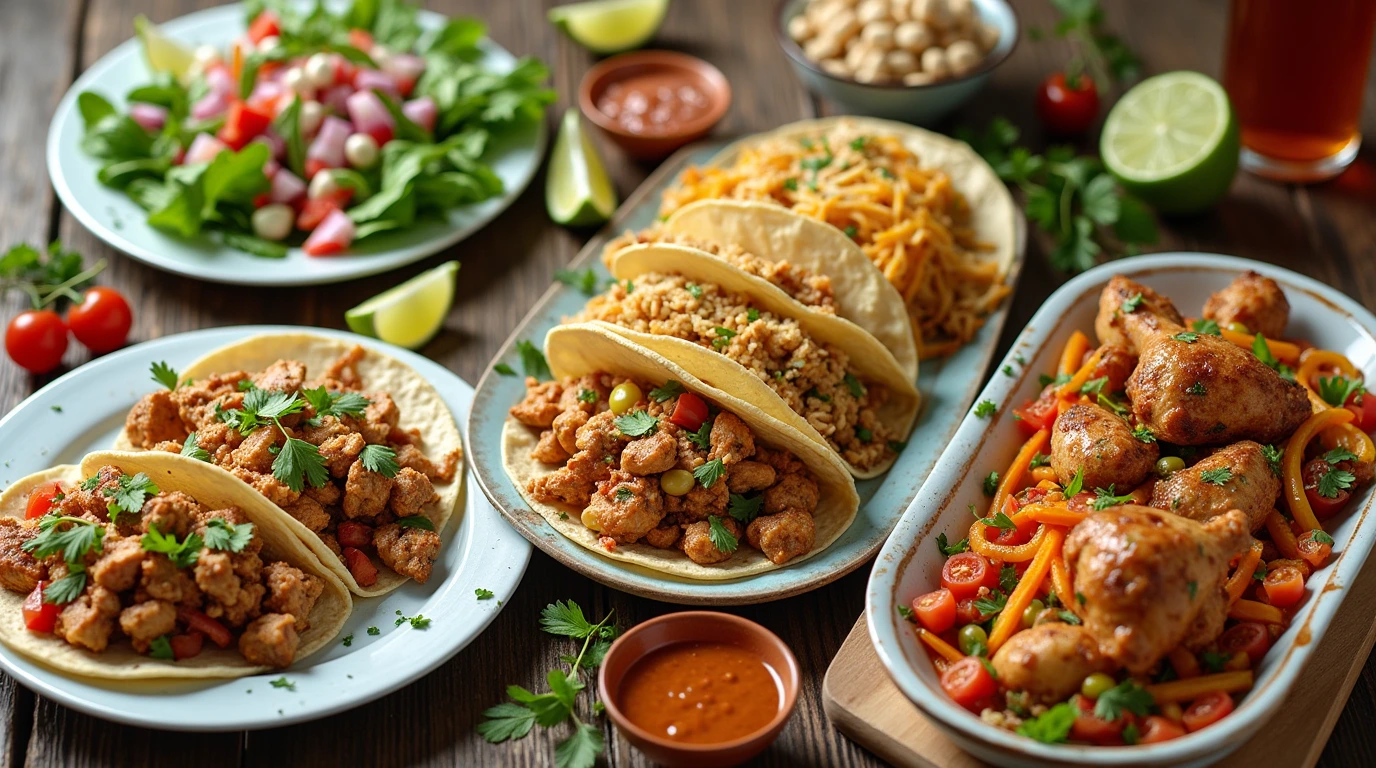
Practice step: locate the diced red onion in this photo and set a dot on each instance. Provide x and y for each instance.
(151, 116)
(286, 187)
(220, 81)
(277, 147)
(405, 69)
(370, 116)
(335, 229)
(210, 105)
(422, 112)
(336, 98)
(265, 93)
(328, 146)
(204, 148)
(368, 79)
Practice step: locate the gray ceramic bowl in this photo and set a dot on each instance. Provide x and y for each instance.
(918, 104)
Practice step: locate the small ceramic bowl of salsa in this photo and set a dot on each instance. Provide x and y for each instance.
(699, 688)
(653, 102)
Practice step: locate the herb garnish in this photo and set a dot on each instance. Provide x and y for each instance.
(985, 408)
(708, 473)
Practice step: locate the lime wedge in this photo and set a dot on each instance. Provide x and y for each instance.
(162, 52)
(410, 314)
(610, 26)
(577, 190)
(1173, 141)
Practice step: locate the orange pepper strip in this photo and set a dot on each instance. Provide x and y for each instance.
(1284, 351)
(942, 648)
(1282, 535)
(1010, 619)
(1313, 360)
(1184, 663)
(1053, 514)
(1011, 479)
(1074, 352)
(1081, 376)
(1180, 691)
(1141, 495)
(1060, 582)
(1293, 463)
(236, 63)
(1349, 437)
(1008, 554)
(1251, 610)
(1237, 583)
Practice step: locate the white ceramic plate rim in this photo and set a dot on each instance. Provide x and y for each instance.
(334, 679)
(73, 175)
(1257, 708)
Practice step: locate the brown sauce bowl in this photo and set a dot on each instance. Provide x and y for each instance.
(706, 78)
(688, 627)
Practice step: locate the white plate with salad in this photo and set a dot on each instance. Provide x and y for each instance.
(355, 139)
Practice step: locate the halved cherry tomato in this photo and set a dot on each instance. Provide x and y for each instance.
(1156, 729)
(690, 412)
(1284, 586)
(1249, 637)
(1090, 727)
(101, 321)
(1207, 710)
(352, 534)
(40, 616)
(365, 573)
(1312, 551)
(1064, 109)
(187, 645)
(41, 500)
(199, 622)
(265, 24)
(1324, 506)
(1364, 405)
(36, 339)
(361, 39)
(967, 681)
(936, 610)
(1037, 414)
(964, 574)
(243, 124)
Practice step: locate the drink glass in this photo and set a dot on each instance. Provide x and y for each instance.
(1295, 71)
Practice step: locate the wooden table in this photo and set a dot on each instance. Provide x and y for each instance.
(1327, 231)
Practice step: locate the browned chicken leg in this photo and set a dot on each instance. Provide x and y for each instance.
(1124, 300)
(1088, 437)
(1147, 576)
(1237, 477)
(1049, 660)
(1254, 301)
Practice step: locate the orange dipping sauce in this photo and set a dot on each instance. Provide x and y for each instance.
(700, 693)
(654, 103)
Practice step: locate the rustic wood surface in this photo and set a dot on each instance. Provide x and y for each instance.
(1326, 231)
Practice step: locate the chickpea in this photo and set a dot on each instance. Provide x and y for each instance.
(913, 36)
(835, 67)
(820, 14)
(900, 10)
(900, 62)
(878, 34)
(590, 520)
(856, 55)
(918, 78)
(871, 74)
(988, 35)
(934, 62)
(936, 13)
(844, 25)
(822, 47)
(800, 29)
(872, 10)
(963, 56)
(962, 13)
(873, 59)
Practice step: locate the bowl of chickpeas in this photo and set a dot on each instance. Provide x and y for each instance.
(910, 60)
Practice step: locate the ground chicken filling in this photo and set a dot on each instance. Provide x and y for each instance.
(667, 469)
(800, 284)
(158, 569)
(335, 459)
(811, 377)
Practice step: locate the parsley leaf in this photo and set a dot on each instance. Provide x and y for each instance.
(1321, 537)
(74, 542)
(299, 459)
(703, 437)
(723, 337)
(1273, 457)
(483, 594)
(283, 682)
(1218, 476)
(1334, 481)
(985, 408)
(161, 648)
(709, 473)
(183, 554)
(1336, 390)
(1093, 386)
(624, 494)
(1339, 454)
(1126, 696)
(1052, 726)
(752, 314)
(416, 521)
(585, 281)
(905, 612)
(636, 424)
(379, 459)
(193, 449)
(587, 396)
(165, 375)
(128, 496)
(1189, 337)
(1213, 661)
(694, 290)
(1113, 405)
(991, 604)
(668, 390)
(1263, 352)
(222, 534)
(1131, 304)
(1076, 484)
(1068, 617)
(504, 370)
(505, 721)
(67, 588)
(580, 750)
(1039, 460)
(337, 404)
(951, 549)
(1143, 432)
(1196, 388)
(1000, 521)
(1104, 498)
(532, 360)
(853, 384)
(566, 619)
(721, 538)
(991, 483)
(744, 508)
(1207, 327)
(1008, 578)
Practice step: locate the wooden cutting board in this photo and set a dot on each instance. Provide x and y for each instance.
(863, 702)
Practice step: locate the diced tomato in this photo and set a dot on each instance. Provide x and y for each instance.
(967, 681)
(316, 209)
(1156, 729)
(1324, 506)
(1207, 710)
(964, 574)
(1364, 406)
(261, 200)
(967, 613)
(936, 611)
(199, 622)
(1090, 727)
(690, 412)
(351, 534)
(1284, 586)
(243, 124)
(1313, 551)
(41, 500)
(1249, 637)
(314, 165)
(361, 39)
(40, 616)
(344, 71)
(365, 573)
(381, 133)
(187, 645)
(265, 24)
(1037, 414)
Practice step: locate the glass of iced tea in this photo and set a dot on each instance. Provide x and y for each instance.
(1295, 71)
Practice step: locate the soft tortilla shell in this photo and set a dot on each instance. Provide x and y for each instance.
(204, 483)
(421, 408)
(574, 350)
(868, 355)
(774, 233)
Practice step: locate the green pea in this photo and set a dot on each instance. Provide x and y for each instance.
(1169, 465)
(676, 482)
(1094, 686)
(1238, 328)
(624, 396)
(972, 638)
(1029, 616)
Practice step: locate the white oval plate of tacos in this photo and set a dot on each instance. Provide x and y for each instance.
(85, 411)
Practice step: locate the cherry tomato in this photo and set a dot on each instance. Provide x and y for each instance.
(1284, 586)
(1364, 405)
(1249, 637)
(199, 622)
(187, 645)
(1207, 710)
(1067, 110)
(265, 24)
(1156, 729)
(352, 534)
(102, 320)
(1324, 506)
(40, 616)
(1038, 414)
(363, 570)
(1312, 550)
(361, 39)
(41, 500)
(936, 611)
(690, 412)
(967, 681)
(964, 574)
(967, 613)
(36, 340)
(1090, 727)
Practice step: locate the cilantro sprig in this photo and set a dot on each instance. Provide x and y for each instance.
(1336, 390)
(74, 537)
(183, 554)
(297, 462)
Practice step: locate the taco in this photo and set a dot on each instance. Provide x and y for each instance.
(818, 373)
(812, 262)
(357, 448)
(150, 565)
(633, 457)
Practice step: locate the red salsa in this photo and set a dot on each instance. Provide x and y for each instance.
(700, 693)
(654, 103)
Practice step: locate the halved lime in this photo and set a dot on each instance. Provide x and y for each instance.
(577, 190)
(1173, 141)
(162, 52)
(410, 314)
(610, 26)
